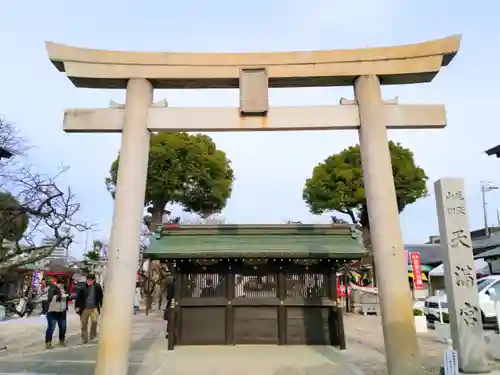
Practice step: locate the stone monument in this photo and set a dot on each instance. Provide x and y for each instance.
(253, 73)
(460, 276)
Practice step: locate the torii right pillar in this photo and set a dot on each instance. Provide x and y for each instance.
(401, 344)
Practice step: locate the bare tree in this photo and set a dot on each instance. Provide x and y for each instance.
(36, 214)
(10, 138)
(43, 210)
(155, 279)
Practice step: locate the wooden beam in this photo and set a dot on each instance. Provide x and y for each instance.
(211, 119)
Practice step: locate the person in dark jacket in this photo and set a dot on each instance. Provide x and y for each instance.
(57, 298)
(88, 305)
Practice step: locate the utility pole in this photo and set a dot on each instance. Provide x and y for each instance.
(485, 213)
(486, 187)
(498, 220)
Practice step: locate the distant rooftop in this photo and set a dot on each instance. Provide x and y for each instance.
(494, 151)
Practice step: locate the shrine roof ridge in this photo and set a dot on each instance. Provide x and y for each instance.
(338, 241)
(255, 229)
(412, 63)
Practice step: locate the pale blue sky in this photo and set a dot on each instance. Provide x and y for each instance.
(270, 167)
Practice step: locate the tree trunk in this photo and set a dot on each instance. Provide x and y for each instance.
(367, 242)
(156, 215)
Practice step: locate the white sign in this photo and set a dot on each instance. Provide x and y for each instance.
(450, 362)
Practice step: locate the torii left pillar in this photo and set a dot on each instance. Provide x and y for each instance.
(123, 255)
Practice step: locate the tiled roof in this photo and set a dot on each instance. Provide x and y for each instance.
(429, 253)
(234, 241)
(487, 242)
(493, 253)
(494, 151)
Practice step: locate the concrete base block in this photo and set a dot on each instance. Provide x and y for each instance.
(494, 347)
(420, 324)
(443, 332)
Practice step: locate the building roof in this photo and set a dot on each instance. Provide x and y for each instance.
(430, 254)
(494, 151)
(487, 242)
(5, 153)
(337, 241)
(490, 254)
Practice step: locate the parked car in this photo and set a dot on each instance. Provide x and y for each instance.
(486, 287)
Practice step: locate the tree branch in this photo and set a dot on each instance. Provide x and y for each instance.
(50, 216)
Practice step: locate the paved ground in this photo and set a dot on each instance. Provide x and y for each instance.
(149, 355)
(28, 333)
(366, 346)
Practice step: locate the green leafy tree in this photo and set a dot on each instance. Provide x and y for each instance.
(337, 185)
(13, 221)
(185, 169)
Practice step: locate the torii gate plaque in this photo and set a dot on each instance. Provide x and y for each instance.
(253, 73)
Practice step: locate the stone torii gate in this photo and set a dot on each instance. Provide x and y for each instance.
(253, 73)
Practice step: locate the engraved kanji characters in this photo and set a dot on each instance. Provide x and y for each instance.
(459, 238)
(469, 314)
(464, 276)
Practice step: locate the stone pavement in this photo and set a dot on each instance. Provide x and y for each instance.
(149, 354)
(28, 333)
(365, 348)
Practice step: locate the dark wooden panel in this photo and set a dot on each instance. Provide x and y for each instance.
(202, 326)
(256, 325)
(326, 302)
(282, 325)
(308, 326)
(215, 301)
(229, 325)
(242, 301)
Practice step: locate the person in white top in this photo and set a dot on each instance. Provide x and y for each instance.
(137, 298)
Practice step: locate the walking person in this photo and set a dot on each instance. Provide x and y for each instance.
(43, 297)
(137, 298)
(57, 298)
(88, 305)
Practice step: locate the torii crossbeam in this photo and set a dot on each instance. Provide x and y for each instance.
(211, 119)
(365, 69)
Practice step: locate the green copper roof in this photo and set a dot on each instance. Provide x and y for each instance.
(252, 241)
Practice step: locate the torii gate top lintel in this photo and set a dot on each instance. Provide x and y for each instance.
(412, 63)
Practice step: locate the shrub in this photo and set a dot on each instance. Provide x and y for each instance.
(418, 312)
(445, 317)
